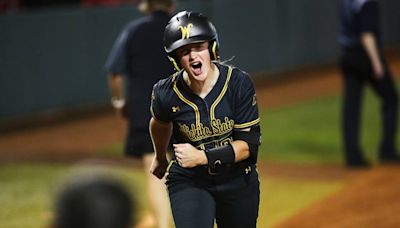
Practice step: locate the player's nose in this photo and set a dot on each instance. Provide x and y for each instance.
(192, 54)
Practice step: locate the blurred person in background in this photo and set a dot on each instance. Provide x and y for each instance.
(91, 3)
(362, 62)
(136, 62)
(46, 3)
(93, 202)
(16, 5)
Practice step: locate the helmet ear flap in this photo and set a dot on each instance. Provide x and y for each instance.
(213, 48)
(174, 62)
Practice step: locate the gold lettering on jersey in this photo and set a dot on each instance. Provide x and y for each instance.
(185, 30)
(195, 133)
(220, 127)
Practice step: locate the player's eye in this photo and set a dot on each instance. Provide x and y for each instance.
(201, 46)
(183, 52)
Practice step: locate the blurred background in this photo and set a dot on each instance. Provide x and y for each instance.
(56, 117)
(53, 52)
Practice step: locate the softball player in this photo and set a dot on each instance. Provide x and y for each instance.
(209, 110)
(362, 62)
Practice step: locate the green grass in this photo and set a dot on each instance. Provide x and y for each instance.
(113, 150)
(283, 197)
(28, 191)
(303, 133)
(24, 194)
(310, 132)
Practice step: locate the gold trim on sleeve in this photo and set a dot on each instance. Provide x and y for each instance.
(248, 124)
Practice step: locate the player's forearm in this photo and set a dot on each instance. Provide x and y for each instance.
(115, 84)
(160, 135)
(241, 149)
(369, 43)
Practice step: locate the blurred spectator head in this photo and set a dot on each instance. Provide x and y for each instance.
(147, 6)
(93, 202)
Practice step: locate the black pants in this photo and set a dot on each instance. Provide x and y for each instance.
(198, 199)
(357, 71)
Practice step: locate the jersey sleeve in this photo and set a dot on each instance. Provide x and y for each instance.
(157, 107)
(369, 14)
(246, 108)
(117, 59)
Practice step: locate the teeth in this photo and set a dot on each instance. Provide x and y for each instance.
(196, 65)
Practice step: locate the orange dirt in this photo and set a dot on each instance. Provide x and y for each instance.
(371, 199)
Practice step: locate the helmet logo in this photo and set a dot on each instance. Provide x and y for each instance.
(185, 31)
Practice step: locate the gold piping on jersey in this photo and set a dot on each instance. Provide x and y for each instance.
(244, 125)
(191, 104)
(216, 102)
(153, 97)
(185, 31)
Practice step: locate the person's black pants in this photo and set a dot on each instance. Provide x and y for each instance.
(357, 71)
(198, 199)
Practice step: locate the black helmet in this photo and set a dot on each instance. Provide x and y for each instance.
(187, 28)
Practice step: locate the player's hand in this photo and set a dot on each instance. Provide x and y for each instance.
(188, 156)
(159, 167)
(379, 71)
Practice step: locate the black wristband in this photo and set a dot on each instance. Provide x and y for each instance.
(220, 156)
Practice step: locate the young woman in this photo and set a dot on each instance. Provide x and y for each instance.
(209, 112)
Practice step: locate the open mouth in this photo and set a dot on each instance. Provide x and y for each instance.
(196, 67)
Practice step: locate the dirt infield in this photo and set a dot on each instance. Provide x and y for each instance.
(371, 199)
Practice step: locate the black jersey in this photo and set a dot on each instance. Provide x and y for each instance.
(209, 122)
(138, 54)
(356, 17)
